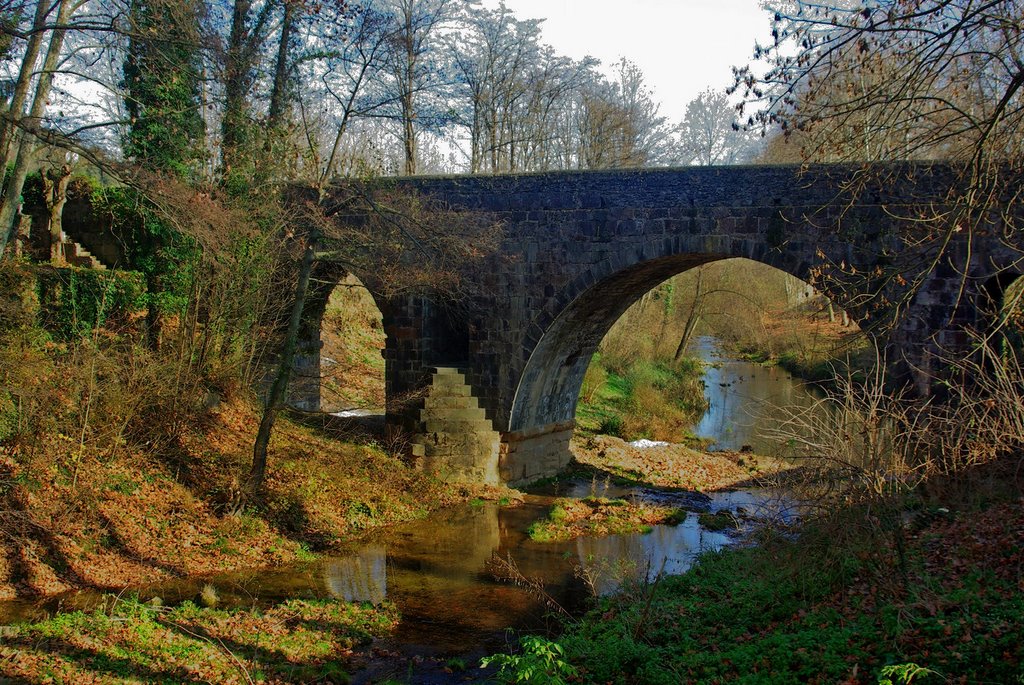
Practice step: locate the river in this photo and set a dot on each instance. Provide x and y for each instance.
(748, 403)
(451, 574)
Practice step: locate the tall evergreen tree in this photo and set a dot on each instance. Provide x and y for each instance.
(161, 78)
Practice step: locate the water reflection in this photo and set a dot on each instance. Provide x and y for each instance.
(612, 560)
(454, 577)
(359, 578)
(442, 574)
(747, 401)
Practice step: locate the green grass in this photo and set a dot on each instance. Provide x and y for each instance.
(642, 399)
(718, 521)
(807, 612)
(296, 641)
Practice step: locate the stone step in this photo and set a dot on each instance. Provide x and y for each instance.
(447, 370)
(76, 255)
(453, 414)
(450, 451)
(457, 427)
(447, 380)
(462, 390)
(446, 402)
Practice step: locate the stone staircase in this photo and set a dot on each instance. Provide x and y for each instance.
(76, 255)
(458, 441)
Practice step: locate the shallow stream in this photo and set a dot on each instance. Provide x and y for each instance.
(453, 575)
(748, 403)
(450, 574)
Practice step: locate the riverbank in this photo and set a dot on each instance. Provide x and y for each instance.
(670, 465)
(109, 521)
(811, 347)
(839, 604)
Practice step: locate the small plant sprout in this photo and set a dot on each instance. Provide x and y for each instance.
(902, 674)
(541, 662)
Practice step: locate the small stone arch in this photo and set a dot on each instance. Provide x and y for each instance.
(1002, 297)
(306, 384)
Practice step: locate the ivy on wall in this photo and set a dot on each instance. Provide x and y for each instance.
(150, 246)
(75, 301)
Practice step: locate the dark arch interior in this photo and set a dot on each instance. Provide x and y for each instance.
(1003, 311)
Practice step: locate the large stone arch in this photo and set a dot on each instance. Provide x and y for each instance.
(550, 382)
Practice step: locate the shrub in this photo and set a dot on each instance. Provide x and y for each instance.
(152, 246)
(593, 381)
(8, 416)
(541, 662)
(19, 303)
(611, 425)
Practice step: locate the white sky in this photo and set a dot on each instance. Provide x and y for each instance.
(682, 46)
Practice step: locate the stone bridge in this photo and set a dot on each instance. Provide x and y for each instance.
(495, 386)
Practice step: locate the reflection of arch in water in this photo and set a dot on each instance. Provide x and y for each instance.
(359, 578)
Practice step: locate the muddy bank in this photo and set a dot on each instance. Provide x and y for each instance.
(673, 465)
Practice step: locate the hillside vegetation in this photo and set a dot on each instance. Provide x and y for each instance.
(119, 465)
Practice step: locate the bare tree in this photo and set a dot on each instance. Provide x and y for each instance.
(414, 69)
(495, 57)
(905, 80)
(709, 135)
(26, 147)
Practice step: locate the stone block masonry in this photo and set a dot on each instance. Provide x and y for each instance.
(580, 247)
(454, 438)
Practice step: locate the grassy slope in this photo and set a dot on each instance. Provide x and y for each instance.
(82, 509)
(126, 518)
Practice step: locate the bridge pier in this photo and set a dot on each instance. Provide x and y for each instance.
(528, 455)
(454, 438)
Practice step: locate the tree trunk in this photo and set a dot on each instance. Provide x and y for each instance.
(16, 182)
(237, 73)
(279, 388)
(55, 184)
(408, 92)
(684, 340)
(21, 86)
(693, 318)
(409, 135)
(279, 94)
